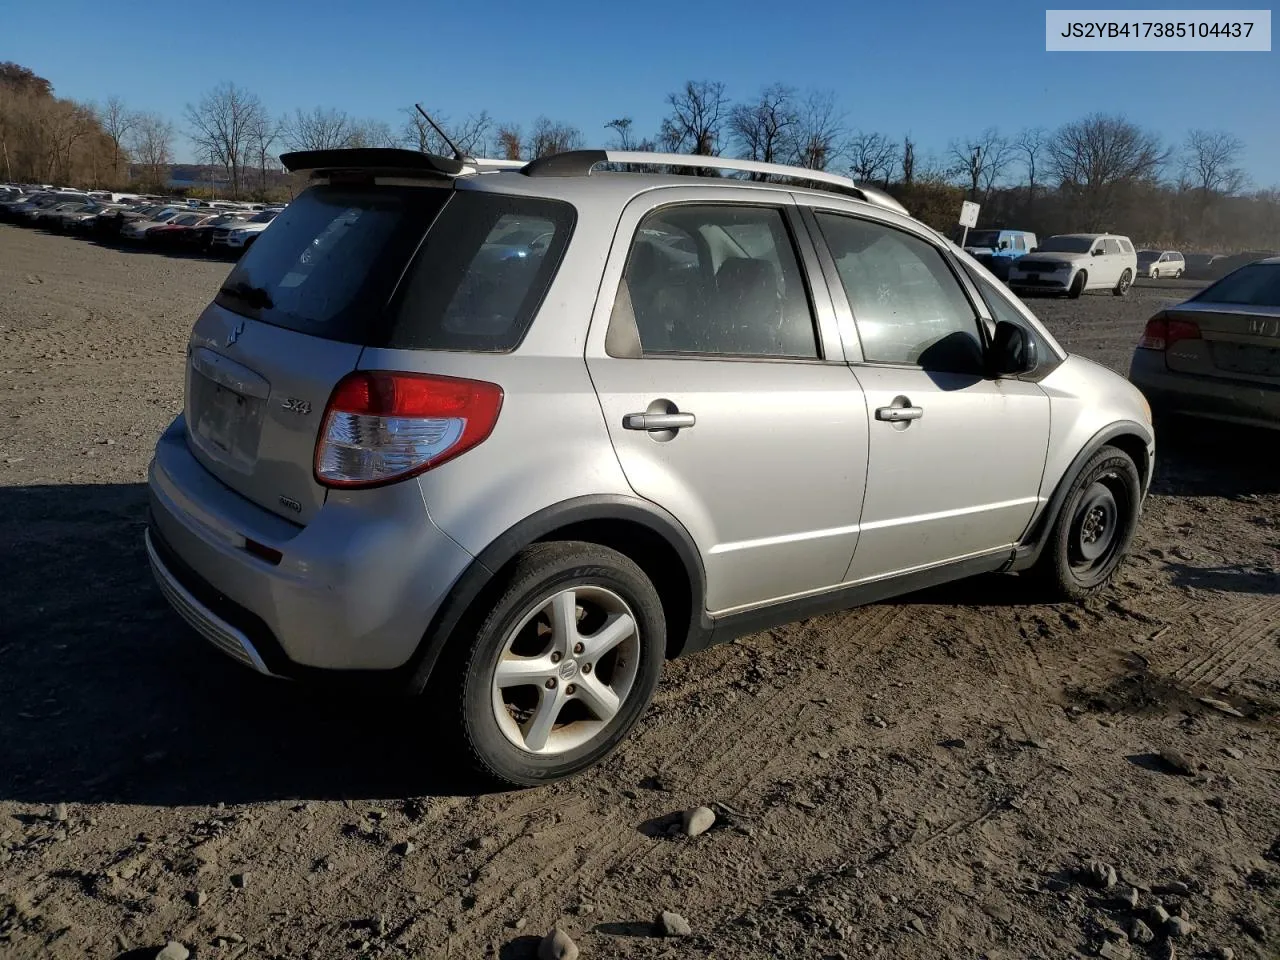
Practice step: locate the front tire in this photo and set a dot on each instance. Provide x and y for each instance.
(1094, 529)
(1077, 285)
(1155, 274)
(1123, 284)
(562, 666)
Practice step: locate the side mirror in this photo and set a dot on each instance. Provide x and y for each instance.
(1095, 252)
(1012, 350)
(1033, 250)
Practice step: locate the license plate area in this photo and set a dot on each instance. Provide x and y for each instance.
(1246, 358)
(226, 424)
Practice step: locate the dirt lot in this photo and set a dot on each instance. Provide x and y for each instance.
(909, 780)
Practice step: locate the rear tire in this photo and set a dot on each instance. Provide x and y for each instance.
(1123, 284)
(1077, 285)
(591, 700)
(1094, 529)
(1155, 274)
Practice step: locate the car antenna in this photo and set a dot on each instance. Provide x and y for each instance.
(457, 154)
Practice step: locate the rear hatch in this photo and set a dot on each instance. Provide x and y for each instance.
(288, 323)
(1239, 323)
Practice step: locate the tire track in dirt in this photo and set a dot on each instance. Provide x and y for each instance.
(1231, 650)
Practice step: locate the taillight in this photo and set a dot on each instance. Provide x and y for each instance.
(381, 426)
(1162, 332)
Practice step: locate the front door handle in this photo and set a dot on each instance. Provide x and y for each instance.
(899, 414)
(658, 421)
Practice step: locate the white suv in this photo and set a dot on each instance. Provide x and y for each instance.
(1072, 263)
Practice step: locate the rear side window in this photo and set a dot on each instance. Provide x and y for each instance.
(1110, 247)
(718, 280)
(1257, 285)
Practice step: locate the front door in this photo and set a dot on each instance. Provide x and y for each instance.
(955, 459)
(726, 395)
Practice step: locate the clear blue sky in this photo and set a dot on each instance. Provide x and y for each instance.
(936, 69)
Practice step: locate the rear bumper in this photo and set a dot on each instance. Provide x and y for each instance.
(355, 589)
(1212, 398)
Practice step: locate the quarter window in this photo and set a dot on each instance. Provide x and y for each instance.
(907, 305)
(716, 279)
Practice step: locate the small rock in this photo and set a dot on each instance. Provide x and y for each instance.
(877, 721)
(824, 754)
(1221, 706)
(990, 767)
(1234, 754)
(557, 945)
(673, 925)
(1178, 927)
(585, 909)
(1175, 888)
(1139, 932)
(1038, 744)
(1177, 762)
(1159, 914)
(697, 821)
(1099, 874)
(1128, 897)
(173, 950)
(1115, 950)
(197, 898)
(917, 925)
(1224, 953)
(406, 848)
(1056, 885)
(955, 743)
(240, 880)
(60, 812)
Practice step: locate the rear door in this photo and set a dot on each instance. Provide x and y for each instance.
(725, 393)
(1239, 323)
(955, 457)
(289, 322)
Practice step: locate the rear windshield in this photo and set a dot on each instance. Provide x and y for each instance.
(331, 263)
(1257, 285)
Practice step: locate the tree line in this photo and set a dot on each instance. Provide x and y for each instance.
(1101, 172)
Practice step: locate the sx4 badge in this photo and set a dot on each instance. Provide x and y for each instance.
(294, 405)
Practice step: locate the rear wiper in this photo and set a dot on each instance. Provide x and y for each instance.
(251, 295)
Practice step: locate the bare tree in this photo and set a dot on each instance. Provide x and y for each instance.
(550, 137)
(371, 133)
(151, 140)
(908, 160)
(1209, 161)
(762, 130)
(696, 120)
(318, 129)
(117, 121)
(981, 160)
(816, 133)
(510, 142)
(622, 127)
(471, 136)
(1095, 158)
(263, 132)
(1030, 145)
(220, 124)
(872, 156)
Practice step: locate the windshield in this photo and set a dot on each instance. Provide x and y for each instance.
(1257, 285)
(1067, 245)
(1148, 256)
(982, 238)
(264, 217)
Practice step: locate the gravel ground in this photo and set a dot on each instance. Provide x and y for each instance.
(925, 778)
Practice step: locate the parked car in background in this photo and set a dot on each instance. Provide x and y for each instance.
(175, 232)
(1200, 266)
(65, 220)
(363, 478)
(237, 238)
(137, 229)
(198, 238)
(1217, 355)
(1072, 263)
(996, 249)
(1154, 264)
(1228, 264)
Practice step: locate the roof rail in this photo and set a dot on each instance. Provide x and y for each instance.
(577, 163)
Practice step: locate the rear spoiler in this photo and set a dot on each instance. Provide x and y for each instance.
(388, 162)
(372, 161)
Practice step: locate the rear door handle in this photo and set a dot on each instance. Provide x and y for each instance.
(899, 414)
(658, 421)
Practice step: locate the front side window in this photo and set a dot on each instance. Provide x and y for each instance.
(716, 279)
(907, 304)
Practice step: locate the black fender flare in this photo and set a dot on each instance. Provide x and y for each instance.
(1028, 550)
(478, 575)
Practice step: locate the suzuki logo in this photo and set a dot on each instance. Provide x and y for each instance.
(234, 335)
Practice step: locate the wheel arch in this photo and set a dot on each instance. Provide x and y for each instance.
(641, 530)
(1126, 435)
